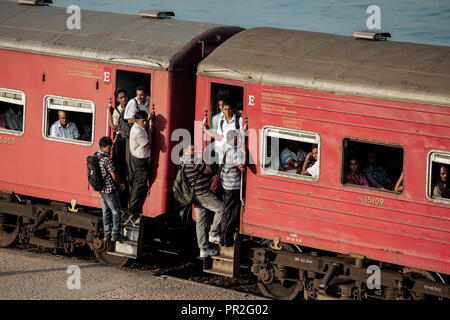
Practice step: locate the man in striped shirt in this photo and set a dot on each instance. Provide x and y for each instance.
(230, 176)
(197, 172)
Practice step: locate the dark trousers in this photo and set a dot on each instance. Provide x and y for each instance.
(140, 171)
(230, 218)
(120, 163)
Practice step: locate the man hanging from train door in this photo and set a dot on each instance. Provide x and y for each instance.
(140, 144)
(140, 102)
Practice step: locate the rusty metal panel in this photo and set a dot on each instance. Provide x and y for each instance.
(109, 37)
(383, 69)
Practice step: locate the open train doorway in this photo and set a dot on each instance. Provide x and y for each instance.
(130, 80)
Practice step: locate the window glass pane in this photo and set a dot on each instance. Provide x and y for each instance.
(11, 111)
(69, 119)
(438, 177)
(290, 153)
(373, 165)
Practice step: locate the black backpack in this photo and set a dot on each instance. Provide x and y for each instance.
(95, 177)
(183, 192)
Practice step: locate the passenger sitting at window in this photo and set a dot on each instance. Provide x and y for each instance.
(14, 118)
(63, 128)
(441, 188)
(292, 157)
(353, 174)
(376, 174)
(310, 161)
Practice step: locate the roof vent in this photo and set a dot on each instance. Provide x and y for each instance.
(156, 14)
(370, 35)
(35, 2)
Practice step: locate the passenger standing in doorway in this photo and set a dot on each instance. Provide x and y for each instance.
(116, 122)
(111, 207)
(230, 122)
(140, 102)
(230, 176)
(140, 144)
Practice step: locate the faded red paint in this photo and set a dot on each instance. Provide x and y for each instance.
(408, 229)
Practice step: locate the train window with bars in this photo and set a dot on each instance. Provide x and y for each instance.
(69, 120)
(438, 189)
(372, 165)
(290, 153)
(12, 111)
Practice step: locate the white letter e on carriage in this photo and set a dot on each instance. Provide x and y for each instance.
(74, 20)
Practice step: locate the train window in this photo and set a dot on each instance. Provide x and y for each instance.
(234, 94)
(290, 153)
(438, 188)
(372, 165)
(69, 120)
(12, 107)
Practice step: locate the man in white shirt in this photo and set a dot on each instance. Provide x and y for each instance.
(140, 144)
(140, 102)
(63, 128)
(216, 119)
(231, 121)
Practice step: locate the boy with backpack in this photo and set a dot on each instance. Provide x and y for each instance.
(111, 208)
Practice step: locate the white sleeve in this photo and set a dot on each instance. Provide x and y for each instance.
(314, 170)
(130, 110)
(53, 131)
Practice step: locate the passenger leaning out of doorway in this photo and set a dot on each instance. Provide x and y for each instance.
(230, 177)
(140, 144)
(230, 122)
(119, 145)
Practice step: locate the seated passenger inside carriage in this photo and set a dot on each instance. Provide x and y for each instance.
(354, 176)
(441, 188)
(63, 128)
(292, 157)
(376, 174)
(311, 165)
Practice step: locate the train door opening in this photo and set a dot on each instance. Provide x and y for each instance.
(130, 80)
(233, 94)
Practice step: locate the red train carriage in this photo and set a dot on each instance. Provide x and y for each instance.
(349, 97)
(47, 67)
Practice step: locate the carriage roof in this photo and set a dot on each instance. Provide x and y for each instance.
(386, 69)
(109, 37)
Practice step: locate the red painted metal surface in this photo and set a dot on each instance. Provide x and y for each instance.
(56, 170)
(407, 229)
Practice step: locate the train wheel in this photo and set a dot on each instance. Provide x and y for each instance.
(275, 288)
(104, 257)
(9, 230)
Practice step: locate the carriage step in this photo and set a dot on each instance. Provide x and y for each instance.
(226, 263)
(223, 266)
(121, 255)
(127, 248)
